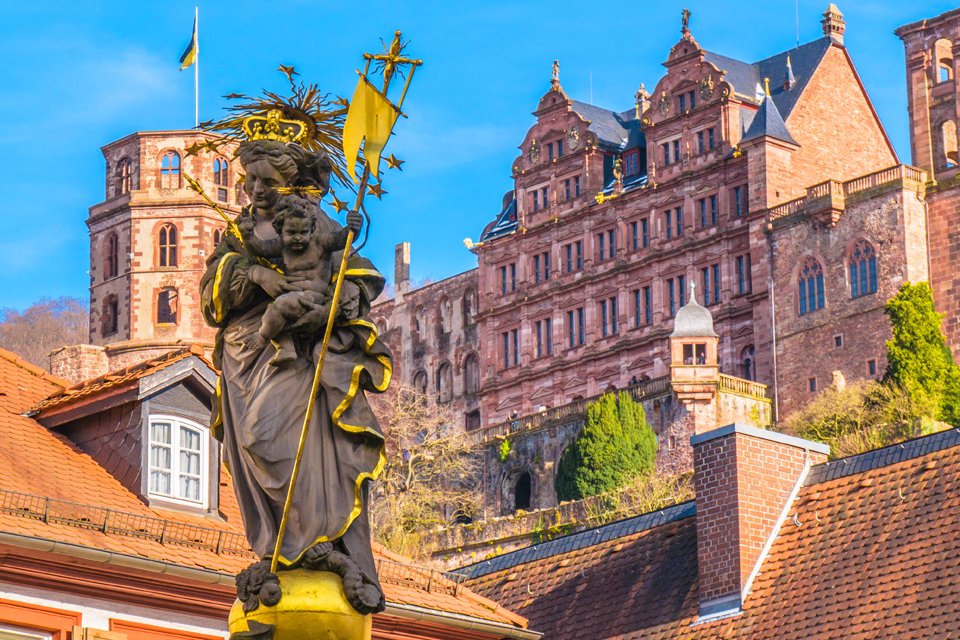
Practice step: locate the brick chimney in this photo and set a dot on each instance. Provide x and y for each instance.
(833, 24)
(401, 269)
(745, 480)
(79, 362)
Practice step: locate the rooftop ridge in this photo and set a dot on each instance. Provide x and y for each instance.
(32, 369)
(126, 374)
(884, 457)
(580, 540)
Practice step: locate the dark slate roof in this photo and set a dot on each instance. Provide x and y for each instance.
(744, 76)
(580, 540)
(614, 130)
(871, 549)
(504, 224)
(768, 122)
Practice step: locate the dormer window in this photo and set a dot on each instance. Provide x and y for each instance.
(178, 463)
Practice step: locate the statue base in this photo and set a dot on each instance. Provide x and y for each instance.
(312, 605)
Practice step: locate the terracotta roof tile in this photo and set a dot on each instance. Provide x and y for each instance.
(50, 489)
(874, 551)
(24, 383)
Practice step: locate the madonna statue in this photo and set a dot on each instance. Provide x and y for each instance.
(261, 402)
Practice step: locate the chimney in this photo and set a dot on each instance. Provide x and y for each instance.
(79, 362)
(745, 480)
(833, 24)
(401, 268)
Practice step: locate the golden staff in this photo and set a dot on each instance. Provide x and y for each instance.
(390, 60)
(234, 229)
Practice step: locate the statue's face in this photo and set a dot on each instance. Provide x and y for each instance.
(260, 184)
(296, 234)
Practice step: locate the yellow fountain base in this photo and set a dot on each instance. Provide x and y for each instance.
(312, 606)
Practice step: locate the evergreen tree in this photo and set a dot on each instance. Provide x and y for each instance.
(918, 358)
(615, 446)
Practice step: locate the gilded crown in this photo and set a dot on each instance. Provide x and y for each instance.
(271, 126)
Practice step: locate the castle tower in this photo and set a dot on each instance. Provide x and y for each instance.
(149, 240)
(694, 366)
(931, 48)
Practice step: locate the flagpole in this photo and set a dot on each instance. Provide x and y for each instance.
(196, 67)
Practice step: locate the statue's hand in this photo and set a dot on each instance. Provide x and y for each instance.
(313, 321)
(272, 282)
(354, 222)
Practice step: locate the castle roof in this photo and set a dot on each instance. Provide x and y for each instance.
(768, 123)
(871, 545)
(745, 76)
(616, 131)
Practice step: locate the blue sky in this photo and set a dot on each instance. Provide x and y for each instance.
(78, 75)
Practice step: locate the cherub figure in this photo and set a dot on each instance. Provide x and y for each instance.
(308, 256)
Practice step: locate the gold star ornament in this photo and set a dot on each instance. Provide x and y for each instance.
(338, 204)
(394, 162)
(376, 190)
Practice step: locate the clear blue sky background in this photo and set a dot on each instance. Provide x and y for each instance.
(80, 74)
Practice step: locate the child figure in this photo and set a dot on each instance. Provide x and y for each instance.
(307, 254)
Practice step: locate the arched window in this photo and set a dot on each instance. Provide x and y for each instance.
(170, 170)
(111, 256)
(415, 322)
(948, 132)
(863, 269)
(445, 383)
(217, 237)
(471, 374)
(943, 60)
(444, 313)
(167, 245)
(109, 316)
(811, 286)
(221, 178)
(420, 382)
(522, 492)
(748, 369)
(167, 304)
(469, 305)
(178, 463)
(124, 176)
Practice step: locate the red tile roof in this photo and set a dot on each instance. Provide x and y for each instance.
(24, 384)
(52, 490)
(116, 380)
(871, 549)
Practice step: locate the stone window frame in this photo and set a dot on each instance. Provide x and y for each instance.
(468, 388)
(111, 256)
(171, 169)
(444, 382)
(123, 175)
(173, 306)
(816, 278)
(166, 249)
(110, 311)
(863, 268)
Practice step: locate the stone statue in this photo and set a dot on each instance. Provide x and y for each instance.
(272, 285)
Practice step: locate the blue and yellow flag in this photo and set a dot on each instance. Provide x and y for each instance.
(189, 56)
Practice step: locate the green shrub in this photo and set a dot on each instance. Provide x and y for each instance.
(615, 446)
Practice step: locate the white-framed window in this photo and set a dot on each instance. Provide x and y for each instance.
(19, 633)
(178, 460)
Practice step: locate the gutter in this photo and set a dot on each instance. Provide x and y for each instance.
(461, 621)
(411, 612)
